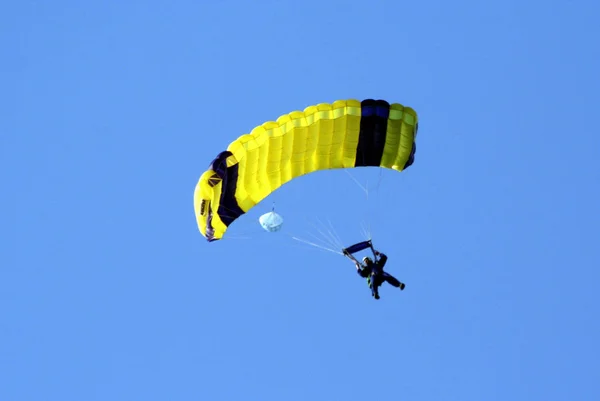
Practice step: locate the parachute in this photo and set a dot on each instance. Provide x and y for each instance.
(271, 221)
(343, 134)
(352, 249)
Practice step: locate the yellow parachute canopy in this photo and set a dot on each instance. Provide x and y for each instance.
(344, 134)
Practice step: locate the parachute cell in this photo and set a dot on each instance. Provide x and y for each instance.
(344, 134)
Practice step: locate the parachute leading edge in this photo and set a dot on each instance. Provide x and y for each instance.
(344, 134)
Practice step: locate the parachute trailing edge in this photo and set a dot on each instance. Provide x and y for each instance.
(343, 134)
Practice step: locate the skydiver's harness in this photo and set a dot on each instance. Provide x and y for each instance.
(352, 249)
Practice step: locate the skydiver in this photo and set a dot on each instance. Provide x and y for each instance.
(373, 272)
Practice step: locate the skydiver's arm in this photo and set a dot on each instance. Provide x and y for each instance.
(361, 272)
(382, 258)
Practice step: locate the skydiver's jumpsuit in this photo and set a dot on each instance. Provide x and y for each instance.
(375, 275)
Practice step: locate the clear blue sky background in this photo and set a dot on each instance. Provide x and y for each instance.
(110, 112)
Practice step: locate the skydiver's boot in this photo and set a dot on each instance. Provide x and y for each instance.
(402, 286)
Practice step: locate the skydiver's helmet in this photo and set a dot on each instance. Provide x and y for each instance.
(367, 260)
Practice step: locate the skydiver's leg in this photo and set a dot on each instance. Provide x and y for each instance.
(393, 280)
(375, 283)
(370, 284)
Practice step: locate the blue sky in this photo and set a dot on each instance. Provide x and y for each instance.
(112, 111)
